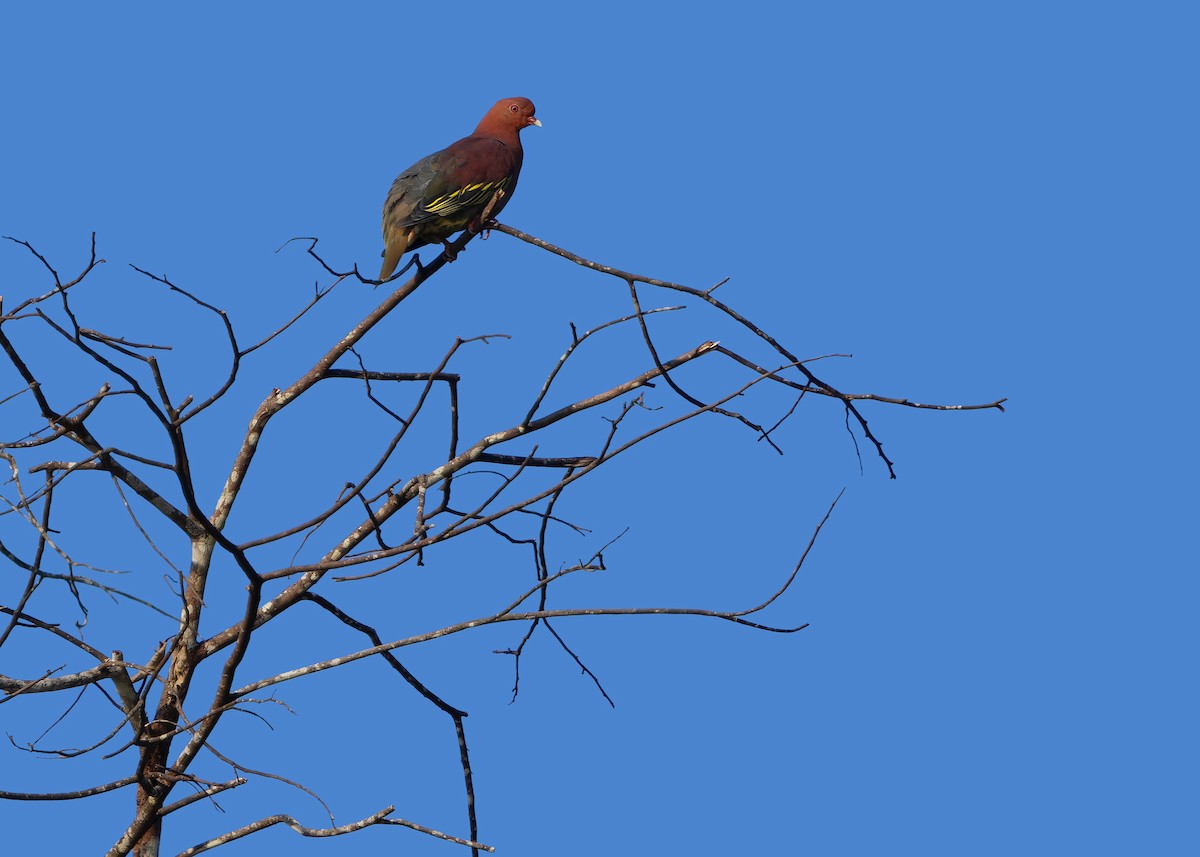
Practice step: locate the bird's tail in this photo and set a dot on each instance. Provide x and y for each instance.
(391, 256)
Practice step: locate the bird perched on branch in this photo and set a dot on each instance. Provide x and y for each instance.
(452, 189)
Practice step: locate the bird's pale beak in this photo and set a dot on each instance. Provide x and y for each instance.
(535, 121)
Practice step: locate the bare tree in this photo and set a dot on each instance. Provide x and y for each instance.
(167, 697)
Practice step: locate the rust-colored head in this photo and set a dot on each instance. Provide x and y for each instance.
(507, 116)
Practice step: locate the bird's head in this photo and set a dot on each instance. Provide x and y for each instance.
(515, 113)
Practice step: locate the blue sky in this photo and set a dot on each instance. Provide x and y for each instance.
(975, 200)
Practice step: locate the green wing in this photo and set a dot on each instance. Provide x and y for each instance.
(476, 194)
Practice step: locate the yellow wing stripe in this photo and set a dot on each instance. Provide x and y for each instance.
(472, 194)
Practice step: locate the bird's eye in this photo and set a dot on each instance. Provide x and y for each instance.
(514, 108)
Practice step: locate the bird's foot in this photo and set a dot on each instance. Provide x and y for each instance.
(450, 253)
